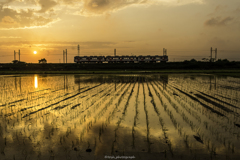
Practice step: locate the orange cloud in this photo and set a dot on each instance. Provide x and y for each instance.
(97, 7)
(13, 19)
(7, 20)
(218, 21)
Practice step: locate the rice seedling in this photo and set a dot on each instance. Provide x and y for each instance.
(199, 116)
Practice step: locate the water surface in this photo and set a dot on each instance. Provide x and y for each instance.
(182, 116)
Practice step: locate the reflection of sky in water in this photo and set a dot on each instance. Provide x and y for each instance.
(116, 115)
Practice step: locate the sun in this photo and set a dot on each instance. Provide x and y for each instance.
(35, 52)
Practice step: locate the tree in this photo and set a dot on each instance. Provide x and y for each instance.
(193, 60)
(42, 60)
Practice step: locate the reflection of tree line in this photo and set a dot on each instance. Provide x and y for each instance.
(116, 79)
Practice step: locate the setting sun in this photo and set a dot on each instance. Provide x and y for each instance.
(35, 52)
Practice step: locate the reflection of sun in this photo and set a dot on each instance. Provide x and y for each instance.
(35, 52)
(36, 81)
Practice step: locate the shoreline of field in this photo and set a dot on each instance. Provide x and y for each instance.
(232, 72)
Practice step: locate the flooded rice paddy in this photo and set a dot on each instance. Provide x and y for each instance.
(179, 116)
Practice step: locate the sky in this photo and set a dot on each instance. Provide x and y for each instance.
(186, 28)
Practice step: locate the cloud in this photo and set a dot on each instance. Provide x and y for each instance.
(7, 37)
(218, 21)
(8, 20)
(61, 44)
(217, 41)
(19, 14)
(98, 7)
(237, 10)
(13, 19)
(220, 8)
(46, 5)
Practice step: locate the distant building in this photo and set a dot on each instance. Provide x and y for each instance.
(42, 60)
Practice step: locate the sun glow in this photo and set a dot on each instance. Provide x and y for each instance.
(35, 52)
(36, 81)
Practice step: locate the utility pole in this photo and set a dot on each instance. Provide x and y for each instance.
(78, 50)
(66, 55)
(19, 55)
(14, 55)
(211, 54)
(211, 50)
(115, 52)
(215, 54)
(63, 56)
(164, 52)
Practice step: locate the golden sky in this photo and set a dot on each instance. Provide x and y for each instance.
(186, 28)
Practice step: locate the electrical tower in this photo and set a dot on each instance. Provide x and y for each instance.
(211, 58)
(17, 53)
(64, 55)
(164, 52)
(14, 55)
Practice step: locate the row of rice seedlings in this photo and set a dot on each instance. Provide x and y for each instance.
(135, 118)
(229, 89)
(223, 133)
(225, 111)
(202, 87)
(223, 120)
(112, 114)
(49, 107)
(163, 127)
(93, 106)
(175, 123)
(105, 97)
(25, 109)
(184, 105)
(99, 115)
(194, 128)
(103, 112)
(210, 115)
(219, 101)
(126, 105)
(147, 119)
(175, 106)
(206, 120)
(117, 104)
(27, 95)
(89, 114)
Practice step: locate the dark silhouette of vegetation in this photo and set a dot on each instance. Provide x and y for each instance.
(17, 62)
(42, 60)
(186, 65)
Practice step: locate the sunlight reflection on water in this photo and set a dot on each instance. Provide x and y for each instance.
(36, 81)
